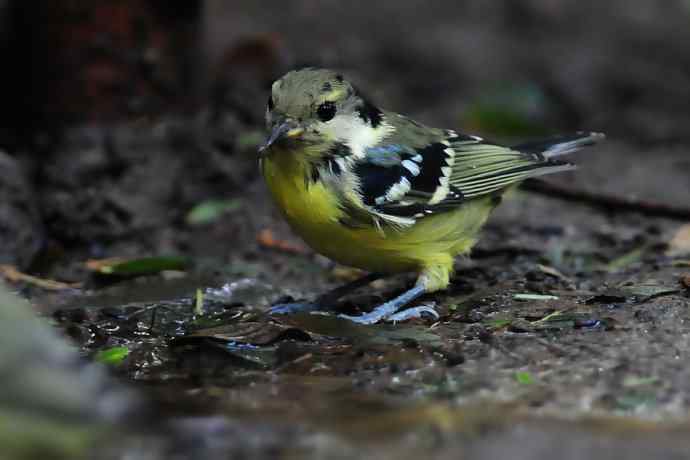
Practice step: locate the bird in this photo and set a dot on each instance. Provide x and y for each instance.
(379, 191)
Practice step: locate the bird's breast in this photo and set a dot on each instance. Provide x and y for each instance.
(303, 202)
(313, 211)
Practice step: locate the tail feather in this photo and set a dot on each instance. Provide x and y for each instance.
(561, 145)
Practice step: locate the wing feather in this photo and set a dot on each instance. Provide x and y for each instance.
(406, 178)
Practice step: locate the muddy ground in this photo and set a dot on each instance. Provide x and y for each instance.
(566, 333)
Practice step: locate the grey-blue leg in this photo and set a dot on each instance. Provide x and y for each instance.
(389, 309)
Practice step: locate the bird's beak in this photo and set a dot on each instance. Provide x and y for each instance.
(285, 130)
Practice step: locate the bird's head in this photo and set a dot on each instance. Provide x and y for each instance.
(311, 109)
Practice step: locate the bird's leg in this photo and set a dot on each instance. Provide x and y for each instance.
(432, 278)
(324, 301)
(388, 310)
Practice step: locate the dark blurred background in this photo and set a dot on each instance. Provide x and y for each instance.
(119, 117)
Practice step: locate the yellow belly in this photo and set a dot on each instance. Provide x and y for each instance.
(313, 213)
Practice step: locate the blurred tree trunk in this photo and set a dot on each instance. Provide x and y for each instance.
(96, 60)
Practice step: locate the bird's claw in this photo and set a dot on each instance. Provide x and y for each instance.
(375, 316)
(414, 312)
(389, 311)
(372, 317)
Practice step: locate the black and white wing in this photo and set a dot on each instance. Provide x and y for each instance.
(406, 182)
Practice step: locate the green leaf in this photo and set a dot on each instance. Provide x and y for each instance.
(199, 303)
(112, 356)
(553, 316)
(534, 297)
(626, 259)
(145, 266)
(649, 289)
(636, 400)
(633, 381)
(211, 210)
(524, 378)
(496, 323)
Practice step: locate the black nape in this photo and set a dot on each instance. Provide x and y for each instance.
(370, 113)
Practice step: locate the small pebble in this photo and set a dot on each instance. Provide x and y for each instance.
(685, 280)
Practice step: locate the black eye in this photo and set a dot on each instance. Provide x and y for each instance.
(270, 103)
(326, 111)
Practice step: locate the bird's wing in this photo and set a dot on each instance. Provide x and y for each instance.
(419, 171)
(480, 167)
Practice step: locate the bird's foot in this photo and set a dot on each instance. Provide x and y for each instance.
(409, 313)
(389, 310)
(414, 312)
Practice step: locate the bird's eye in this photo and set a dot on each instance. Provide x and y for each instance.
(270, 103)
(326, 111)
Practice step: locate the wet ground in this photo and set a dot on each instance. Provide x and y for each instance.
(566, 333)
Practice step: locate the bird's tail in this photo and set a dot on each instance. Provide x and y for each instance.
(561, 145)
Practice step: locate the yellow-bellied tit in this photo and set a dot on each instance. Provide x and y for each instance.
(376, 190)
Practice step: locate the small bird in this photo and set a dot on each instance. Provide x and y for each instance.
(379, 191)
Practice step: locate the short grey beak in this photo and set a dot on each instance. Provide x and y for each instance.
(287, 129)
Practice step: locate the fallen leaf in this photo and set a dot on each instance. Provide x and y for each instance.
(112, 356)
(97, 264)
(347, 274)
(199, 303)
(564, 319)
(379, 334)
(138, 267)
(249, 343)
(550, 316)
(10, 273)
(524, 378)
(268, 240)
(680, 263)
(497, 323)
(211, 210)
(649, 289)
(634, 381)
(534, 297)
(626, 259)
(553, 272)
(635, 401)
(257, 333)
